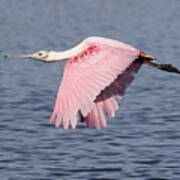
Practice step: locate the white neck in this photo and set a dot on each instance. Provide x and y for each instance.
(57, 56)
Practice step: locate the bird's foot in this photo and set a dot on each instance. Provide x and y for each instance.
(168, 68)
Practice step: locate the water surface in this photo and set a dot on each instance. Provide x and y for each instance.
(141, 142)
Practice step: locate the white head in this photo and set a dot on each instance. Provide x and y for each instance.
(46, 56)
(52, 56)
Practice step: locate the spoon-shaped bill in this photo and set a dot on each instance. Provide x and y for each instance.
(17, 56)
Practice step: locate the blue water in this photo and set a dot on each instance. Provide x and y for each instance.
(141, 142)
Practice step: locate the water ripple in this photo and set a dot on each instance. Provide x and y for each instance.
(141, 142)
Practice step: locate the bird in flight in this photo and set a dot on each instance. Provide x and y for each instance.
(96, 76)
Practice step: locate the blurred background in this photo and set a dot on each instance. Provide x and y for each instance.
(141, 142)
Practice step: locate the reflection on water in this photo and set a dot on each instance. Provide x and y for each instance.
(141, 142)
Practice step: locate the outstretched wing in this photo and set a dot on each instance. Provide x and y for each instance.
(85, 76)
(106, 101)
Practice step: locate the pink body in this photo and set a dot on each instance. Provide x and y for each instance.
(93, 81)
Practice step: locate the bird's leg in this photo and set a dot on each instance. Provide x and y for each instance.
(163, 67)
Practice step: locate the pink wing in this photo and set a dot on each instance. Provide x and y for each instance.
(106, 101)
(85, 76)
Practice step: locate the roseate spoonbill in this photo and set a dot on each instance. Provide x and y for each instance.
(95, 77)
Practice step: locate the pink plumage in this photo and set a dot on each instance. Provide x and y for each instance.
(93, 81)
(95, 77)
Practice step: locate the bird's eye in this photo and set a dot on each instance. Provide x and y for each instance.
(40, 54)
